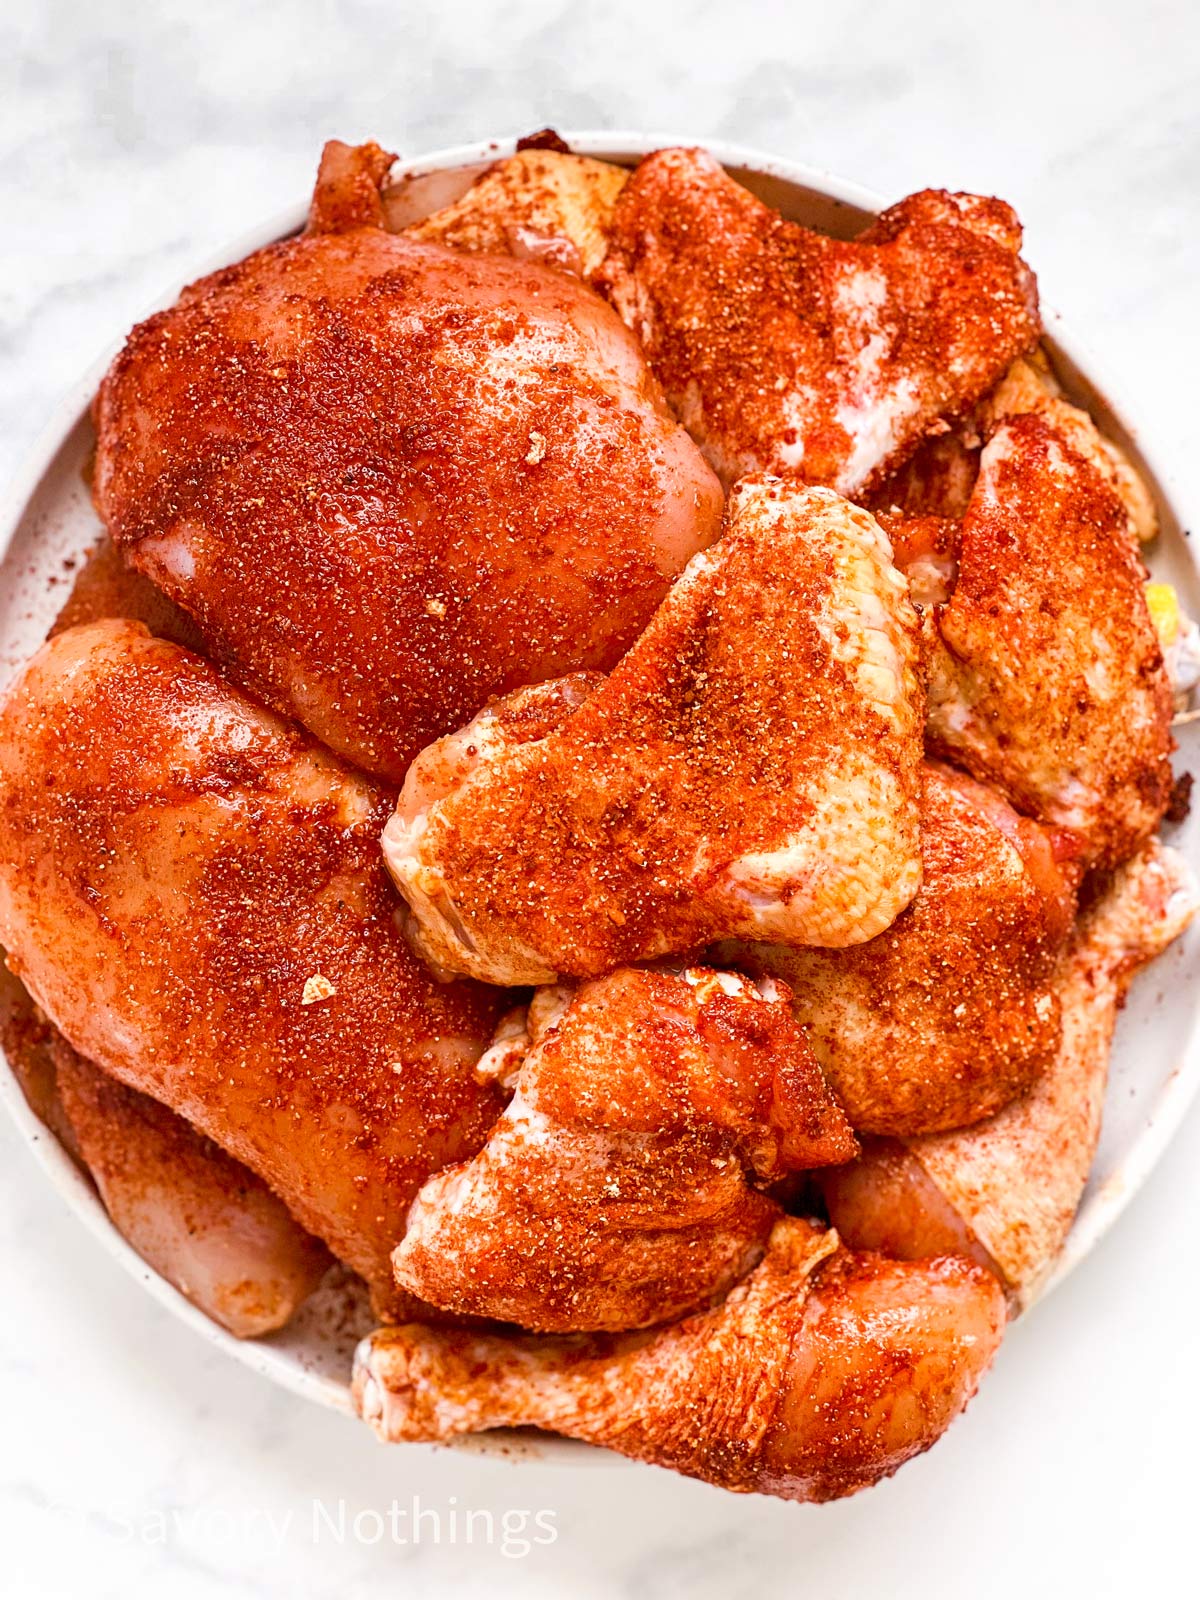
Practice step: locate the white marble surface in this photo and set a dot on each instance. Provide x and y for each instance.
(135, 1461)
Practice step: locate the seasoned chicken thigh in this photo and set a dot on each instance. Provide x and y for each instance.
(951, 1012)
(820, 1374)
(622, 1186)
(1011, 1185)
(201, 1220)
(751, 768)
(787, 351)
(192, 892)
(1046, 678)
(389, 481)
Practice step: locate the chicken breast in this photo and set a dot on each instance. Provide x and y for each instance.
(819, 1375)
(787, 351)
(751, 768)
(192, 892)
(390, 481)
(952, 1012)
(623, 1185)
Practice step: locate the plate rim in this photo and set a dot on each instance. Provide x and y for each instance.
(1098, 1213)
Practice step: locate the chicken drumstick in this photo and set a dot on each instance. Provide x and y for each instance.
(820, 1374)
(192, 892)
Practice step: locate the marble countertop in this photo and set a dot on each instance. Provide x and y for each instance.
(134, 1459)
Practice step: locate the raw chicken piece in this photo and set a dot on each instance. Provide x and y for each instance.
(192, 892)
(1014, 1182)
(1045, 674)
(820, 1374)
(200, 1219)
(347, 194)
(106, 586)
(751, 768)
(1030, 386)
(785, 350)
(621, 1186)
(886, 1201)
(951, 1013)
(543, 205)
(935, 483)
(390, 481)
(939, 479)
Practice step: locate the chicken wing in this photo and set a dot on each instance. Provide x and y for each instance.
(939, 479)
(622, 1185)
(952, 1012)
(542, 205)
(1030, 386)
(192, 892)
(390, 481)
(788, 351)
(1013, 1183)
(198, 1218)
(1045, 674)
(751, 768)
(820, 1374)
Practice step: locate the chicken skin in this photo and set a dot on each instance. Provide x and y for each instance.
(192, 893)
(105, 586)
(935, 483)
(1045, 674)
(389, 481)
(751, 768)
(820, 1374)
(1030, 386)
(787, 351)
(622, 1185)
(939, 479)
(951, 1013)
(200, 1219)
(541, 205)
(1008, 1189)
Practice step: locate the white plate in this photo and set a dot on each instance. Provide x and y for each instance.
(48, 520)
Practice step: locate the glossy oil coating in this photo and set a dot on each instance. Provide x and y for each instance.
(389, 481)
